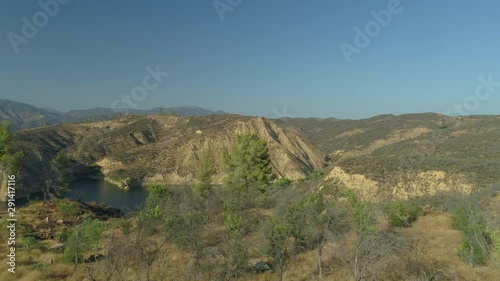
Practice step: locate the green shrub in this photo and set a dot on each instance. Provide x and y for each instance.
(472, 253)
(68, 209)
(470, 220)
(158, 191)
(37, 265)
(29, 241)
(282, 183)
(402, 214)
(495, 239)
(315, 175)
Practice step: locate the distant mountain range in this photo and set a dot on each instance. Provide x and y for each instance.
(24, 116)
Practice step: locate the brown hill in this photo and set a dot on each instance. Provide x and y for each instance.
(134, 150)
(385, 155)
(410, 154)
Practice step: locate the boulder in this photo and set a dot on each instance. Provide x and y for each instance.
(261, 266)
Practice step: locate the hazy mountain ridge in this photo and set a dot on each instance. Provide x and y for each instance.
(24, 116)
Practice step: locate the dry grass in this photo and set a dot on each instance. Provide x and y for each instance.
(440, 243)
(437, 246)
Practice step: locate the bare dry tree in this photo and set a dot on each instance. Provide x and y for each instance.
(144, 246)
(370, 246)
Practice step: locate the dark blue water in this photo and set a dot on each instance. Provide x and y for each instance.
(107, 193)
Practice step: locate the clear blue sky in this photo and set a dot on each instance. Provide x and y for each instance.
(264, 56)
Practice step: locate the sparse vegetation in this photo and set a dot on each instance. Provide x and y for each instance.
(282, 183)
(84, 239)
(494, 235)
(313, 230)
(470, 220)
(237, 255)
(29, 241)
(402, 214)
(303, 230)
(315, 175)
(185, 229)
(68, 209)
(204, 172)
(118, 175)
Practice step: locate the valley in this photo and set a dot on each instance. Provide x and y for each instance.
(410, 175)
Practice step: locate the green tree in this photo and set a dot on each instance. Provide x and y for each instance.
(83, 239)
(156, 203)
(364, 255)
(58, 178)
(363, 218)
(306, 221)
(372, 246)
(310, 220)
(234, 227)
(10, 161)
(247, 165)
(277, 231)
(304, 217)
(204, 172)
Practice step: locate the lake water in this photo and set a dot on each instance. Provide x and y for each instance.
(110, 194)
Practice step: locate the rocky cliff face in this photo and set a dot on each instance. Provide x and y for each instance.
(137, 150)
(401, 186)
(166, 148)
